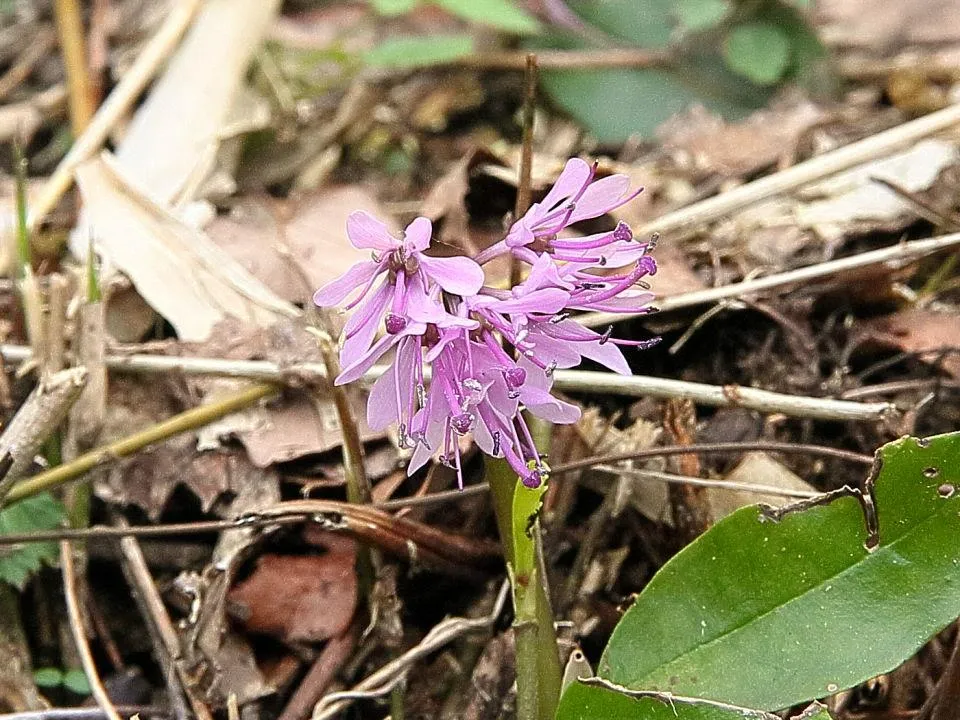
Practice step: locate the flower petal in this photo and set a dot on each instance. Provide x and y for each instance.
(416, 238)
(576, 173)
(601, 197)
(335, 291)
(362, 326)
(368, 233)
(382, 407)
(366, 361)
(456, 275)
(547, 301)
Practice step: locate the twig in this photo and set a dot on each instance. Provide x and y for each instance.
(21, 69)
(383, 680)
(120, 100)
(573, 380)
(86, 713)
(79, 635)
(722, 396)
(72, 47)
(671, 478)
(41, 413)
(184, 422)
(816, 168)
(161, 629)
(899, 386)
(896, 256)
(319, 677)
(568, 59)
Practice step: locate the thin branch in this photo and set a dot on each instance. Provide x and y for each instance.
(73, 49)
(385, 679)
(41, 413)
(162, 632)
(184, 422)
(895, 256)
(817, 168)
(117, 104)
(34, 53)
(673, 479)
(571, 380)
(568, 59)
(290, 517)
(86, 713)
(69, 575)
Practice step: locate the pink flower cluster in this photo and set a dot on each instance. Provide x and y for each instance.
(490, 353)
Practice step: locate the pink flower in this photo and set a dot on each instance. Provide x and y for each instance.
(468, 358)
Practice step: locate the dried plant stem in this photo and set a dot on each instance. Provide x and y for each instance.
(25, 64)
(817, 168)
(41, 414)
(895, 256)
(386, 678)
(569, 380)
(184, 422)
(568, 59)
(118, 103)
(69, 576)
(73, 49)
(160, 627)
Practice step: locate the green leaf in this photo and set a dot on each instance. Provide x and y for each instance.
(583, 702)
(697, 15)
(414, 51)
(391, 8)
(758, 51)
(502, 14)
(48, 677)
(40, 512)
(768, 615)
(75, 681)
(647, 24)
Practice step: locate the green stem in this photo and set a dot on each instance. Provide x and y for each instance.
(538, 663)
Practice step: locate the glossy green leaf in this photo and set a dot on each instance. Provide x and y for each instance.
(419, 51)
(48, 677)
(697, 15)
(767, 615)
(582, 702)
(758, 51)
(393, 7)
(40, 512)
(75, 680)
(503, 14)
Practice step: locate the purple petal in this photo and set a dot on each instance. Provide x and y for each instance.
(335, 291)
(576, 173)
(547, 301)
(457, 275)
(601, 197)
(435, 415)
(363, 324)
(368, 233)
(366, 361)
(382, 408)
(545, 273)
(416, 238)
(588, 345)
(544, 405)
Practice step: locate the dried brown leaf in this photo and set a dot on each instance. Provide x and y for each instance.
(920, 331)
(317, 600)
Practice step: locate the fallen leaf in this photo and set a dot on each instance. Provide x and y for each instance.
(179, 126)
(705, 142)
(919, 331)
(313, 228)
(756, 468)
(884, 27)
(299, 598)
(177, 269)
(148, 478)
